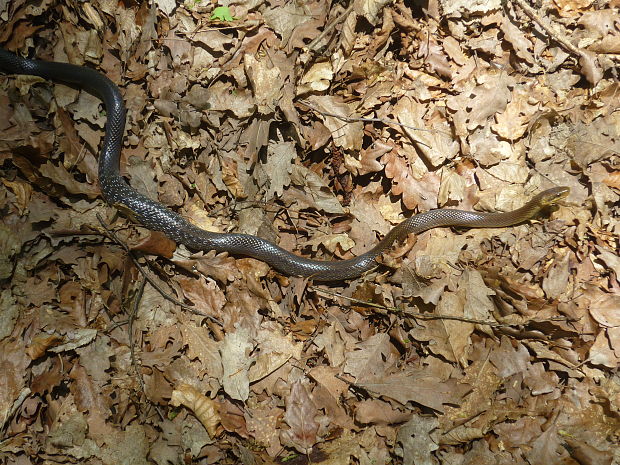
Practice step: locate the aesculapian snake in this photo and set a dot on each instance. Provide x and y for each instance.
(156, 216)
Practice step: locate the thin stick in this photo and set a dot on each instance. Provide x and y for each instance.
(134, 362)
(150, 280)
(425, 316)
(552, 33)
(314, 44)
(350, 119)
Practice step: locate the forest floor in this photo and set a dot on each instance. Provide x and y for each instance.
(318, 126)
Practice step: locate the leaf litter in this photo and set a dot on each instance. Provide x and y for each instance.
(317, 126)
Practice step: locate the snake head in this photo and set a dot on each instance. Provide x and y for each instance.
(552, 196)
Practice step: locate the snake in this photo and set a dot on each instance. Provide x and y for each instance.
(153, 215)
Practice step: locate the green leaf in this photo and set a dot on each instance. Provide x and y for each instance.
(222, 13)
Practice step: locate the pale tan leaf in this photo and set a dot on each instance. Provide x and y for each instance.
(300, 413)
(416, 386)
(318, 194)
(266, 81)
(347, 135)
(235, 350)
(317, 78)
(205, 409)
(371, 357)
(370, 9)
(418, 440)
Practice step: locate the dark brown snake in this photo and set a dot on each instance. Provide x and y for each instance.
(155, 216)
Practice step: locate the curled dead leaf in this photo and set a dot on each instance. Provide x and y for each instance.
(40, 343)
(204, 408)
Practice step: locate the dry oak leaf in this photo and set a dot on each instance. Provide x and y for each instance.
(126, 447)
(546, 448)
(375, 411)
(417, 386)
(205, 409)
(316, 79)
(279, 165)
(602, 353)
(371, 358)
(435, 142)
(348, 135)
(418, 440)
(263, 422)
(512, 123)
(334, 341)
(317, 193)
(266, 81)
(284, 19)
(571, 8)
(275, 350)
(370, 9)
(467, 8)
(221, 97)
(517, 39)
(13, 364)
(235, 350)
(74, 339)
(367, 447)
(450, 338)
(605, 309)
(41, 343)
(300, 416)
(202, 347)
(510, 360)
(475, 105)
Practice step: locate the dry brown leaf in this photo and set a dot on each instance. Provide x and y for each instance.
(602, 353)
(40, 343)
(300, 417)
(590, 67)
(202, 347)
(195, 140)
(418, 440)
(416, 386)
(605, 309)
(205, 409)
(235, 350)
(569, 8)
(347, 135)
(546, 448)
(13, 363)
(448, 338)
(510, 360)
(378, 412)
(316, 79)
(317, 194)
(434, 141)
(263, 424)
(280, 156)
(586, 454)
(518, 40)
(266, 81)
(371, 358)
(334, 341)
(284, 19)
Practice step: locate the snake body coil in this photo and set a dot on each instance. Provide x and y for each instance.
(155, 216)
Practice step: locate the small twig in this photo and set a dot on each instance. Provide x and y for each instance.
(534, 16)
(351, 119)
(425, 316)
(313, 46)
(150, 280)
(134, 363)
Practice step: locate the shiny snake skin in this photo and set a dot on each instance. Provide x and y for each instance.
(155, 216)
